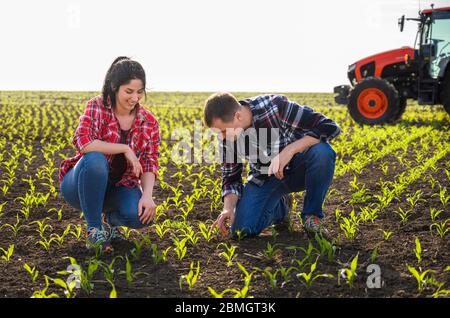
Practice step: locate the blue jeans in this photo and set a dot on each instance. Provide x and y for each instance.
(86, 187)
(262, 206)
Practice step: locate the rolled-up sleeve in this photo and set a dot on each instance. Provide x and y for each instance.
(312, 123)
(149, 157)
(88, 128)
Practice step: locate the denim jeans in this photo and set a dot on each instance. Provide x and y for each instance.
(262, 206)
(86, 187)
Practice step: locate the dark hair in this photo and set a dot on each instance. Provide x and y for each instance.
(220, 106)
(121, 72)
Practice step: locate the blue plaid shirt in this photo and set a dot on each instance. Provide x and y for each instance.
(292, 122)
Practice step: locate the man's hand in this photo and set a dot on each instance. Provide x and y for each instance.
(222, 220)
(279, 162)
(146, 209)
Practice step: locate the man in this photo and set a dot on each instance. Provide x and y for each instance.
(296, 157)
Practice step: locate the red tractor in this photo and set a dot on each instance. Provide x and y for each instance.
(382, 83)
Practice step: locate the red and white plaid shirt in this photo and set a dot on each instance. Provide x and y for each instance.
(99, 123)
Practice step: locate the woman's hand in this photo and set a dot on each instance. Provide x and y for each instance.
(146, 209)
(134, 162)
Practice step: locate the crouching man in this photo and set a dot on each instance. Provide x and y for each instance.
(288, 151)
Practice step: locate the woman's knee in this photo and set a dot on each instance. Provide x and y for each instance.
(96, 163)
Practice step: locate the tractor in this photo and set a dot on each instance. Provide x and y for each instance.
(382, 83)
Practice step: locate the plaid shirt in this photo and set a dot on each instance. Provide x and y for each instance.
(291, 121)
(99, 123)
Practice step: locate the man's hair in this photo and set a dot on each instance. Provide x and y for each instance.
(220, 106)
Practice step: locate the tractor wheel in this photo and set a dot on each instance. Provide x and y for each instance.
(374, 101)
(445, 93)
(401, 109)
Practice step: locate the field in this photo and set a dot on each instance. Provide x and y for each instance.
(388, 212)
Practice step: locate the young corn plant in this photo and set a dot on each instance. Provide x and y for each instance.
(58, 212)
(418, 251)
(271, 251)
(7, 253)
(137, 250)
(129, 275)
(84, 276)
(42, 227)
(158, 256)
(285, 273)
(33, 272)
(308, 278)
(270, 275)
(43, 292)
(441, 228)
(206, 231)
(387, 234)
(414, 199)
(180, 247)
(162, 228)
(326, 248)
(349, 274)
(229, 253)
(404, 214)
(191, 277)
(108, 269)
(76, 232)
(350, 225)
(443, 197)
(421, 277)
(69, 287)
(434, 213)
(15, 228)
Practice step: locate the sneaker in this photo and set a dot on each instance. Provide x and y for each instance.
(313, 225)
(98, 237)
(113, 233)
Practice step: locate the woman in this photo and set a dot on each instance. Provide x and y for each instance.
(115, 166)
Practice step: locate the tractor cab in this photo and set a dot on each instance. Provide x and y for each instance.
(382, 83)
(432, 53)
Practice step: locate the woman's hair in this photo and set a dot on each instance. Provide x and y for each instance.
(121, 72)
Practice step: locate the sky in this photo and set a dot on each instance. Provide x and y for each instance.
(198, 45)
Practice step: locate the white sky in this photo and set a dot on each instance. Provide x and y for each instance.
(197, 45)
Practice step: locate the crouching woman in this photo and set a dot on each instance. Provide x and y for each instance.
(112, 175)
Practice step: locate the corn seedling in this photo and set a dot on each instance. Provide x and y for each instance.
(308, 278)
(108, 269)
(349, 274)
(404, 214)
(33, 272)
(418, 251)
(434, 213)
(421, 277)
(326, 248)
(206, 231)
(7, 253)
(43, 292)
(180, 247)
(271, 251)
(15, 228)
(158, 256)
(271, 276)
(441, 228)
(191, 276)
(229, 253)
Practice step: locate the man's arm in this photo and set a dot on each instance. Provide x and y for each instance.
(305, 119)
(229, 204)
